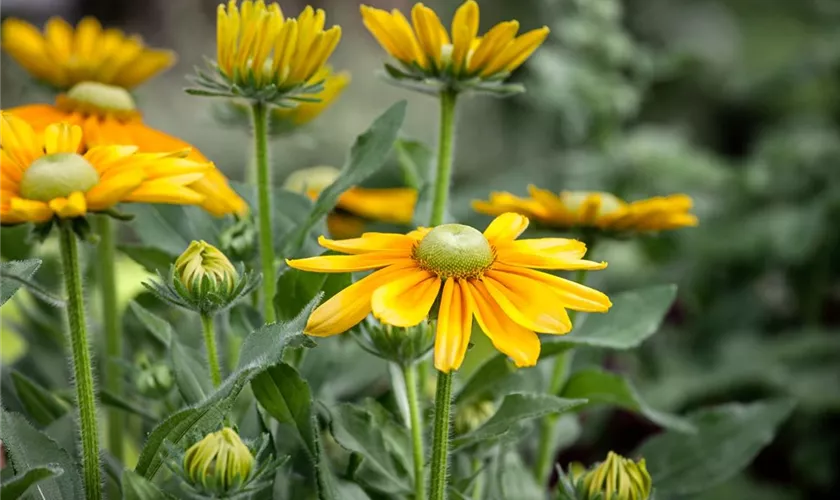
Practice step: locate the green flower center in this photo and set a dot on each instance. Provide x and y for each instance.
(574, 200)
(454, 251)
(57, 176)
(102, 96)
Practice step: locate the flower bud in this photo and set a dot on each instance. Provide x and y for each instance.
(616, 478)
(392, 343)
(471, 416)
(203, 269)
(219, 464)
(311, 181)
(153, 380)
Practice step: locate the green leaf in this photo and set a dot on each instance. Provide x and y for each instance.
(152, 259)
(517, 480)
(486, 379)
(384, 446)
(171, 228)
(287, 398)
(634, 316)
(728, 438)
(17, 486)
(191, 374)
(27, 448)
(40, 404)
(295, 288)
(137, 487)
(414, 159)
(15, 274)
(262, 348)
(601, 387)
(108, 398)
(157, 326)
(367, 155)
(515, 408)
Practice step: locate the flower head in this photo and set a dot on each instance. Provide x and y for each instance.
(304, 112)
(594, 209)
(63, 56)
(616, 478)
(263, 56)
(490, 276)
(46, 175)
(220, 463)
(455, 59)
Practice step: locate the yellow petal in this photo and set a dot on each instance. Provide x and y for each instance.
(565, 261)
(72, 206)
(62, 138)
(348, 263)
(464, 31)
(143, 67)
(18, 140)
(406, 302)
(406, 38)
(350, 306)
(30, 210)
(378, 23)
(389, 204)
(517, 52)
(454, 325)
(114, 189)
(370, 242)
(505, 228)
(571, 295)
(526, 304)
(517, 342)
(430, 32)
(492, 44)
(164, 191)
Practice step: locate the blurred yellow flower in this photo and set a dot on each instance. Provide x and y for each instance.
(45, 175)
(425, 49)
(395, 205)
(616, 478)
(594, 209)
(63, 57)
(305, 112)
(490, 276)
(266, 56)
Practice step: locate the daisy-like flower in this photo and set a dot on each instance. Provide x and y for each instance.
(490, 276)
(357, 204)
(264, 56)
(45, 176)
(598, 210)
(460, 59)
(305, 112)
(98, 67)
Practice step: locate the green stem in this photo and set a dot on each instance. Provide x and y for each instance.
(559, 375)
(210, 344)
(82, 369)
(478, 485)
(410, 376)
(448, 99)
(264, 191)
(106, 261)
(440, 444)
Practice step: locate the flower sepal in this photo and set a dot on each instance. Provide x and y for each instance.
(403, 346)
(418, 81)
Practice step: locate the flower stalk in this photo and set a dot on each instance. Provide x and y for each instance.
(259, 113)
(82, 367)
(209, 330)
(410, 376)
(448, 99)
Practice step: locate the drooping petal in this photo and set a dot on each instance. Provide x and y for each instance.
(454, 325)
(406, 302)
(565, 261)
(572, 295)
(528, 305)
(370, 242)
(510, 338)
(29, 210)
(348, 263)
(505, 228)
(388, 205)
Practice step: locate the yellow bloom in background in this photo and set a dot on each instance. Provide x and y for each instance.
(63, 56)
(357, 204)
(45, 175)
(99, 66)
(426, 50)
(266, 56)
(304, 112)
(594, 209)
(489, 275)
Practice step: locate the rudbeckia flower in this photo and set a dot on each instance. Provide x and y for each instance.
(98, 67)
(458, 58)
(490, 276)
(264, 56)
(46, 176)
(594, 209)
(357, 204)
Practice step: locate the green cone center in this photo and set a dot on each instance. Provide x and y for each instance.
(57, 176)
(102, 96)
(454, 250)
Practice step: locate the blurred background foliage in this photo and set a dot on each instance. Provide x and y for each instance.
(735, 102)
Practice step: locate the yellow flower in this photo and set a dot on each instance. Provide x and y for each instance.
(63, 57)
(616, 478)
(395, 205)
(266, 56)
(594, 209)
(490, 276)
(305, 112)
(426, 50)
(219, 463)
(45, 176)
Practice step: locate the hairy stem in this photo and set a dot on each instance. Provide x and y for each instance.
(410, 376)
(210, 345)
(264, 191)
(440, 443)
(443, 174)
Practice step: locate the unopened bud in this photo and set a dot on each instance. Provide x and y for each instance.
(392, 343)
(219, 464)
(616, 478)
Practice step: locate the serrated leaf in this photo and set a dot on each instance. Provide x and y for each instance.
(728, 438)
(28, 448)
(367, 155)
(286, 397)
(634, 316)
(191, 375)
(15, 274)
(157, 326)
(601, 387)
(514, 409)
(17, 486)
(40, 404)
(136, 487)
(263, 348)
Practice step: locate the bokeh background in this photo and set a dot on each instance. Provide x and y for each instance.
(735, 102)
